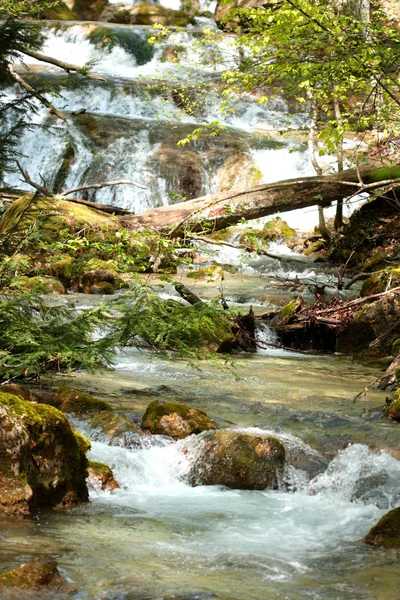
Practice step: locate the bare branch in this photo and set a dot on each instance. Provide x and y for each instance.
(63, 65)
(359, 301)
(43, 190)
(102, 185)
(36, 94)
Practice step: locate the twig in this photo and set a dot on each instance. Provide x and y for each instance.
(43, 190)
(63, 65)
(36, 94)
(102, 185)
(359, 301)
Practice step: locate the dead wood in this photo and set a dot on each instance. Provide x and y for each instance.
(217, 211)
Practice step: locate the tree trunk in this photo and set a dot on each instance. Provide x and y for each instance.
(217, 211)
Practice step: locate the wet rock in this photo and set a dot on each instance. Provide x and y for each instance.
(386, 533)
(102, 476)
(80, 403)
(288, 311)
(35, 575)
(175, 419)
(41, 463)
(116, 429)
(145, 13)
(392, 411)
(238, 460)
(368, 324)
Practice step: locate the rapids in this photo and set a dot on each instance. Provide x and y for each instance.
(156, 537)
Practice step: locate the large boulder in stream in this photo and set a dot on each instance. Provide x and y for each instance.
(42, 463)
(175, 420)
(69, 400)
(368, 325)
(386, 533)
(237, 460)
(392, 411)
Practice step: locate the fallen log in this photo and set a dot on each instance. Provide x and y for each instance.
(217, 211)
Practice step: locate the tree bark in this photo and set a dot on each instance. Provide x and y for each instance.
(217, 211)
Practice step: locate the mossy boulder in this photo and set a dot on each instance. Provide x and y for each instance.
(89, 10)
(135, 43)
(386, 533)
(100, 475)
(60, 12)
(275, 229)
(116, 429)
(211, 273)
(238, 460)
(368, 325)
(145, 13)
(41, 463)
(175, 419)
(33, 576)
(392, 411)
(314, 247)
(99, 277)
(37, 285)
(64, 268)
(380, 282)
(74, 401)
(82, 441)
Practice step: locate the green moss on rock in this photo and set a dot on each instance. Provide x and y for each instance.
(116, 428)
(37, 285)
(73, 401)
(133, 42)
(386, 533)
(175, 419)
(380, 282)
(41, 463)
(238, 460)
(101, 474)
(82, 441)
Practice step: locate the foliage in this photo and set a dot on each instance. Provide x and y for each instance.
(170, 325)
(37, 338)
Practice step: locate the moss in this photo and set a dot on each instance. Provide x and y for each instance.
(37, 285)
(175, 419)
(38, 443)
(386, 533)
(62, 173)
(213, 272)
(239, 461)
(82, 441)
(392, 411)
(18, 390)
(33, 576)
(101, 473)
(60, 12)
(289, 310)
(277, 228)
(378, 282)
(133, 42)
(74, 401)
(396, 347)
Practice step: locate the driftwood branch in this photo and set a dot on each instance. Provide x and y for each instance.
(36, 94)
(360, 301)
(217, 211)
(98, 186)
(63, 65)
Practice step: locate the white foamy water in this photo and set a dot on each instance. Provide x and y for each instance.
(292, 527)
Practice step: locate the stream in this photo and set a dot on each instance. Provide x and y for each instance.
(157, 537)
